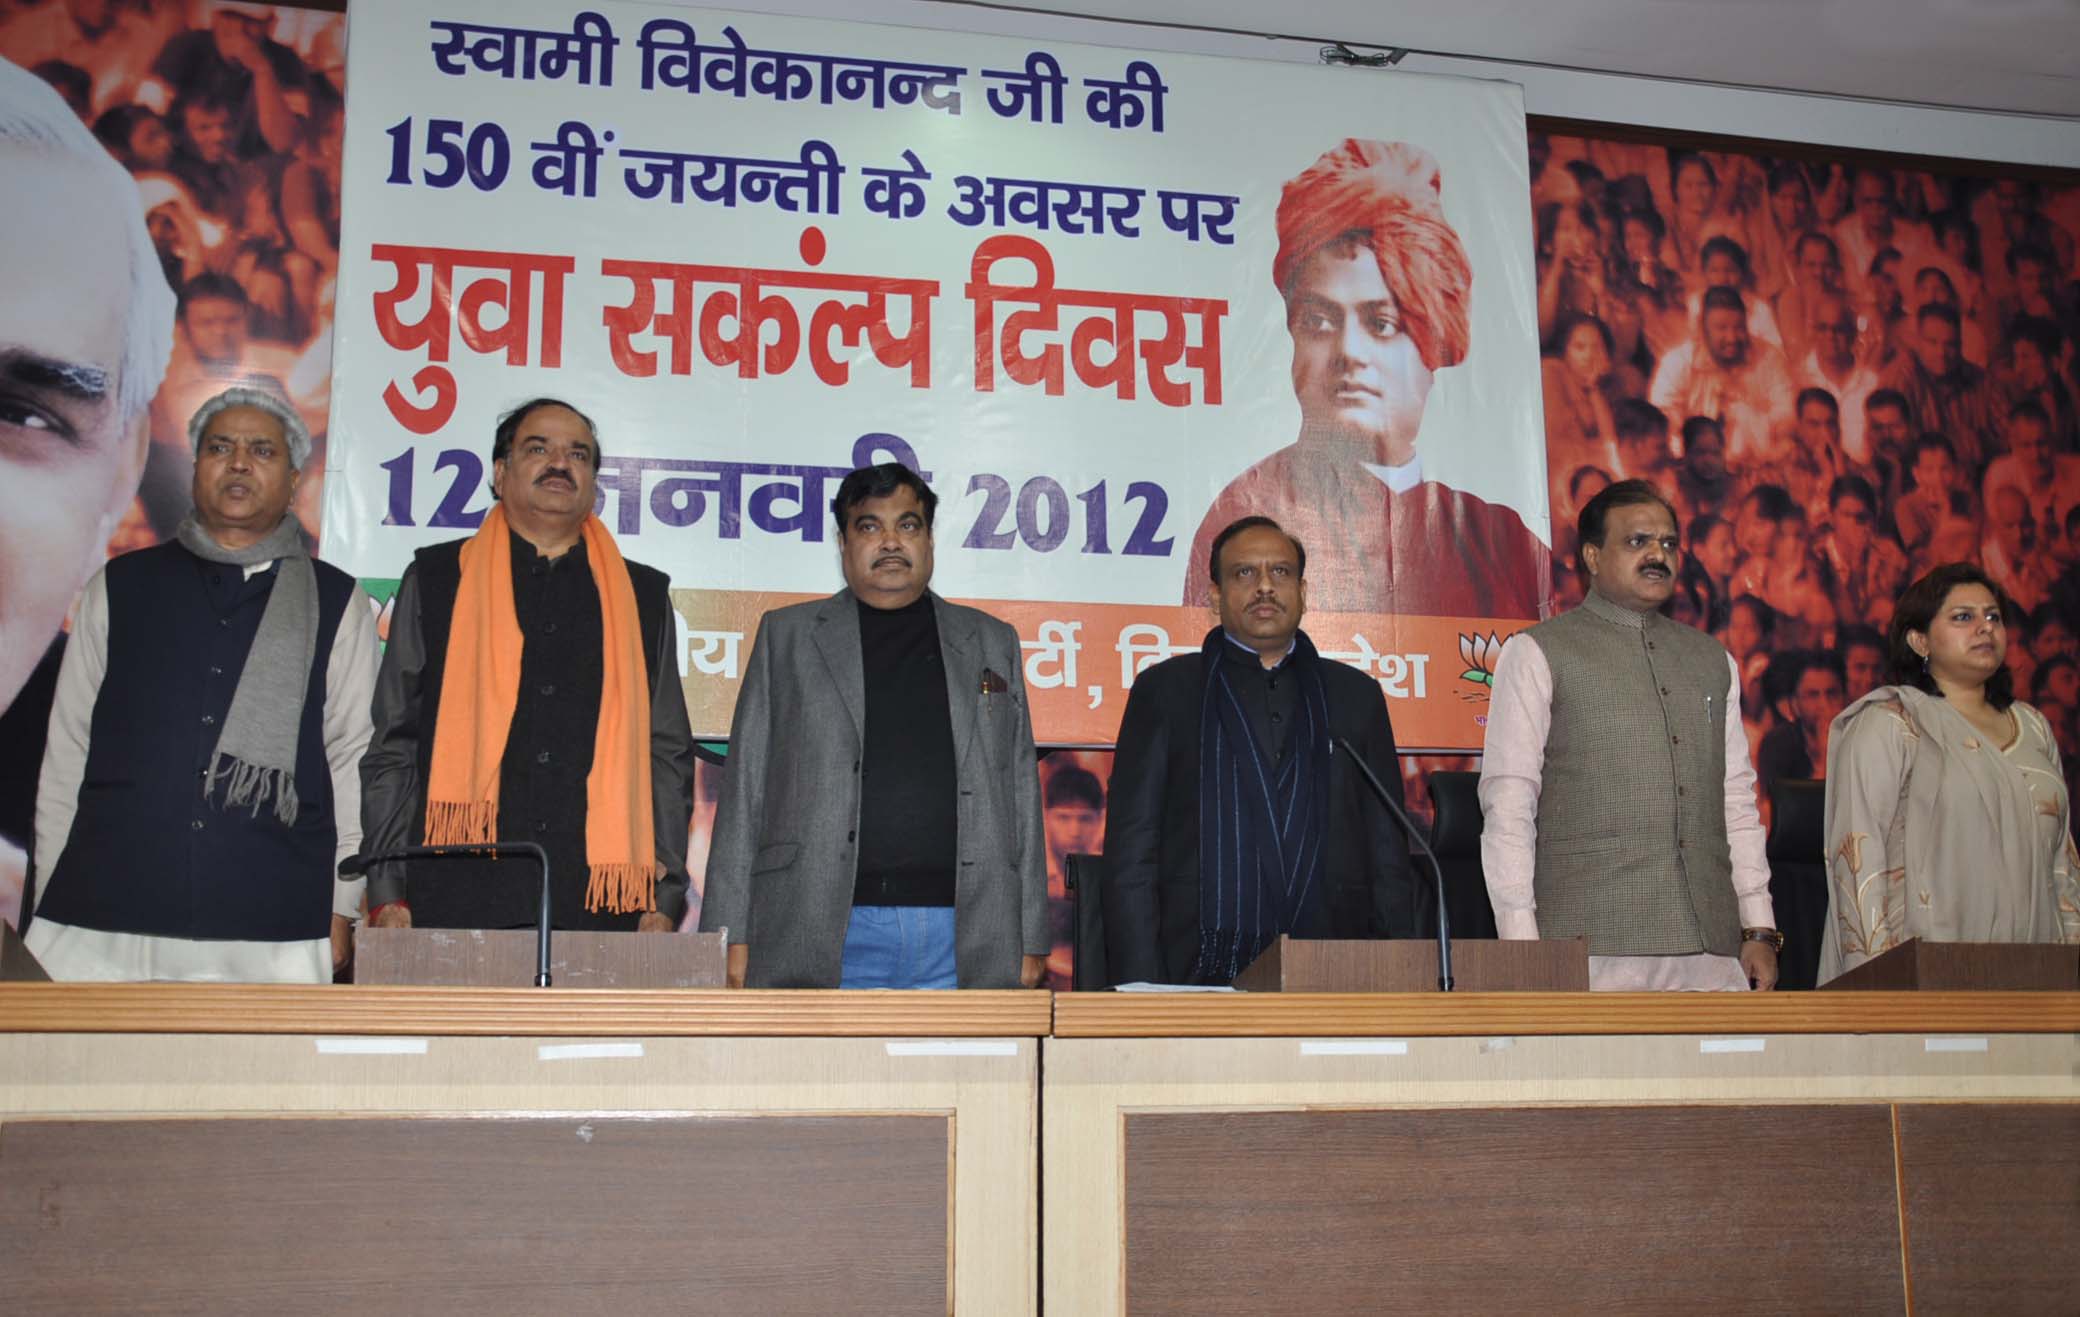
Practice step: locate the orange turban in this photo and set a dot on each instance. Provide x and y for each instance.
(1385, 194)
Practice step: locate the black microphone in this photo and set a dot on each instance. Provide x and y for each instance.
(356, 865)
(1415, 835)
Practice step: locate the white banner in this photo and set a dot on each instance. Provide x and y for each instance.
(759, 251)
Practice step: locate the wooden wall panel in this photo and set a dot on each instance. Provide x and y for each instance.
(515, 1215)
(1992, 1198)
(1642, 1209)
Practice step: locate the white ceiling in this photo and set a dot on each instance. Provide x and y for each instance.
(2015, 56)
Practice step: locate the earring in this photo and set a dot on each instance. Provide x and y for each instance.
(1924, 665)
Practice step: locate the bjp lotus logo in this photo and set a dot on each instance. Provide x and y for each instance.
(1479, 653)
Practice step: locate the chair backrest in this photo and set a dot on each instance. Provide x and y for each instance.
(1084, 876)
(1455, 802)
(1798, 876)
(1455, 834)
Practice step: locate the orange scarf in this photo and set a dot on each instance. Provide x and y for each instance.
(480, 686)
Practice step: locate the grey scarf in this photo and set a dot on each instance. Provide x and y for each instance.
(257, 750)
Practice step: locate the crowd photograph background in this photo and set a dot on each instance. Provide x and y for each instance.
(1841, 369)
(1842, 374)
(229, 117)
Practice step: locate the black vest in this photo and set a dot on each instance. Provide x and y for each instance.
(147, 853)
(504, 893)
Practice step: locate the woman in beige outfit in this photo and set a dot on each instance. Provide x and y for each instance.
(1947, 814)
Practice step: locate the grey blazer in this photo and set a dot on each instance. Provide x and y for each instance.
(782, 861)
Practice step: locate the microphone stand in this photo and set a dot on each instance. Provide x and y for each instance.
(355, 865)
(1415, 835)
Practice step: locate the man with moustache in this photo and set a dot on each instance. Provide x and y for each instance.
(530, 692)
(1834, 365)
(2009, 550)
(2034, 348)
(2038, 291)
(1874, 224)
(1889, 431)
(1234, 817)
(1704, 483)
(1798, 749)
(1862, 649)
(1863, 568)
(1815, 275)
(1946, 394)
(880, 822)
(2049, 481)
(1724, 374)
(1886, 322)
(1704, 584)
(1616, 794)
(1073, 801)
(1377, 289)
(200, 785)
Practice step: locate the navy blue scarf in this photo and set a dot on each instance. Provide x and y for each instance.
(1261, 829)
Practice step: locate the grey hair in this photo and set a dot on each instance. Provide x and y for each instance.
(34, 117)
(293, 428)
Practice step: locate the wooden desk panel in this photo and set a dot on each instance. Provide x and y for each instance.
(516, 1214)
(1991, 1197)
(124, 1052)
(965, 1064)
(1098, 1089)
(1608, 1210)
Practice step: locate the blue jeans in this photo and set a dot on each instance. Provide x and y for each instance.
(899, 946)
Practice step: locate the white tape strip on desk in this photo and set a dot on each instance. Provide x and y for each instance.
(1353, 1047)
(586, 1051)
(1953, 1044)
(371, 1046)
(1731, 1044)
(955, 1047)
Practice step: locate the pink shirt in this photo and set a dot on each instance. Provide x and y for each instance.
(1512, 766)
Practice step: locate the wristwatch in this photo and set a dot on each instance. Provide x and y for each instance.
(1771, 936)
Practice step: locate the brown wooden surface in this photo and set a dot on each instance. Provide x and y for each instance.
(1992, 1200)
(1918, 966)
(557, 1012)
(1410, 965)
(1466, 1014)
(505, 958)
(519, 1215)
(1646, 1210)
(553, 1012)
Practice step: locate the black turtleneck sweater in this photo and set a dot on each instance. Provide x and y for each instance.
(908, 805)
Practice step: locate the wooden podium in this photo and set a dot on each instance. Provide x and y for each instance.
(1918, 966)
(504, 958)
(1410, 965)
